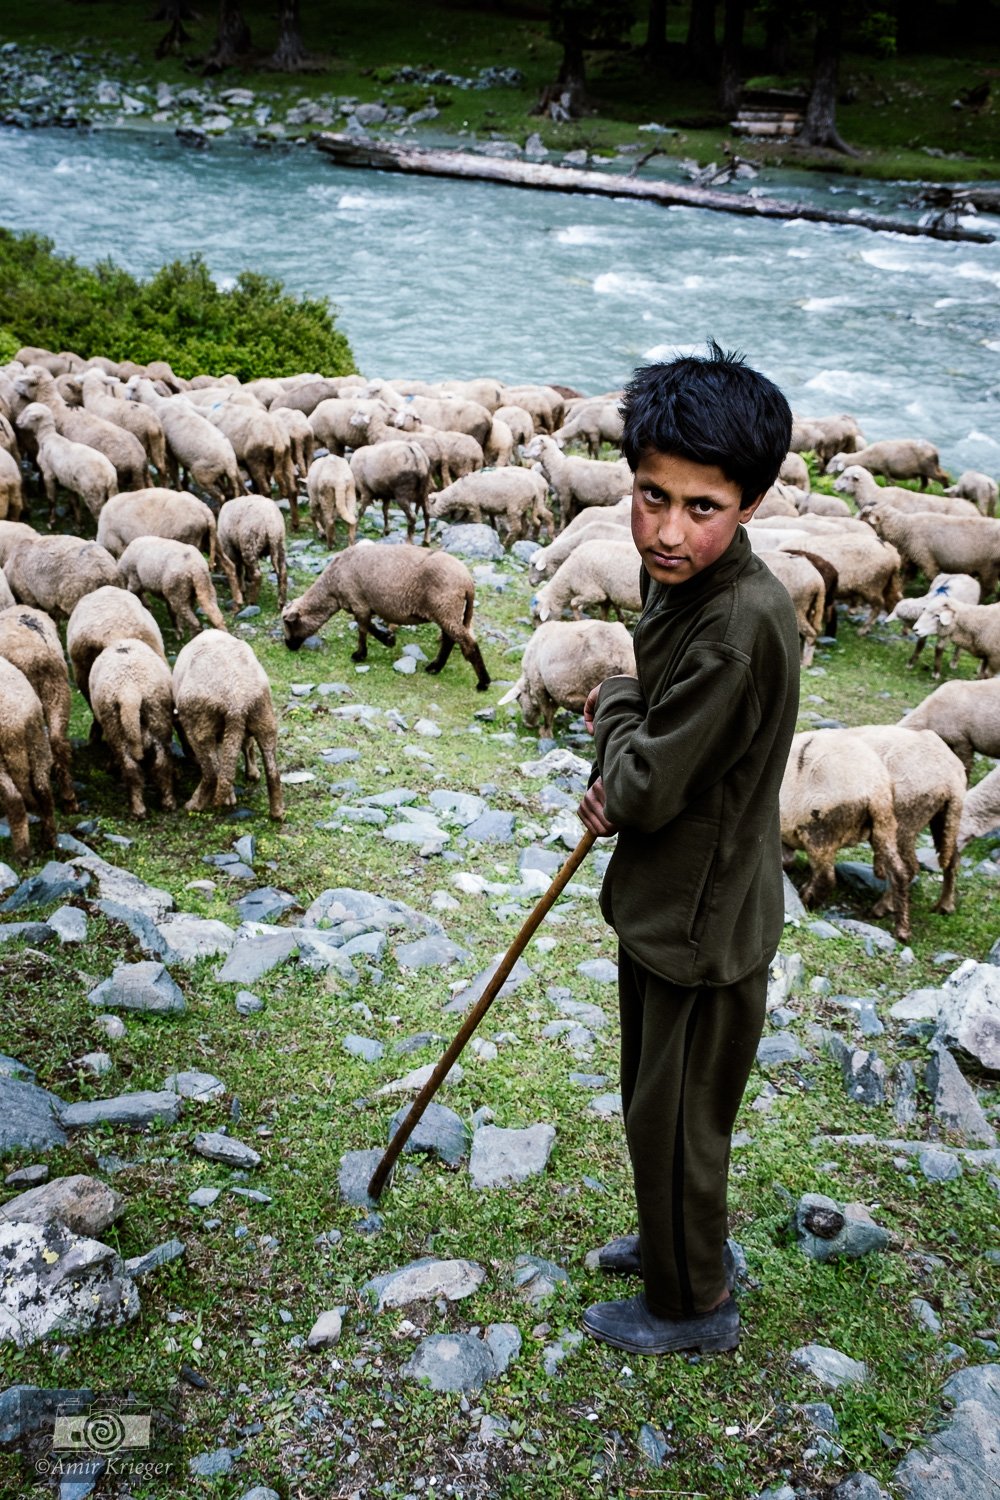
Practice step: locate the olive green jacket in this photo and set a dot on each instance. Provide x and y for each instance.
(692, 755)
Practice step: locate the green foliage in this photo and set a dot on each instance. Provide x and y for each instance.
(180, 315)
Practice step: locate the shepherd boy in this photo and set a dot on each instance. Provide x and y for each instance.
(690, 757)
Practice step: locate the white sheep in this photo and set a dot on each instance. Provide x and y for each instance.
(167, 513)
(562, 661)
(966, 715)
(252, 527)
(543, 402)
(451, 455)
(860, 484)
(777, 501)
(591, 423)
(261, 445)
(795, 470)
(896, 458)
(807, 590)
(977, 487)
(517, 496)
(942, 544)
(100, 619)
(981, 813)
(397, 471)
(332, 497)
(341, 422)
(53, 573)
(578, 483)
(13, 532)
(907, 612)
(132, 702)
(603, 575)
(193, 443)
(517, 421)
(176, 573)
(973, 627)
(545, 561)
(25, 761)
(222, 701)
(76, 468)
(825, 436)
(301, 438)
(866, 576)
(123, 450)
(30, 641)
(105, 397)
(6, 597)
(499, 447)
(11, 493)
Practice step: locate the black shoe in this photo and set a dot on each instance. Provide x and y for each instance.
(621, 1258)
(629, 1325)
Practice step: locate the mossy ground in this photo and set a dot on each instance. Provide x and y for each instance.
(730, 1420)
(892, 109)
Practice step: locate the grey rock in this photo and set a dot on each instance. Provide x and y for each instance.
(429, 953)
(356, 1168)
(416, 1043)
(954, 1101)
(864, 1010)
(475, 989)
(58, 1283)
(28, 1117)
(203, 1197)
(9, 878)
(962, 1460)
(36, 933)
(460, 807)
(144, 986)
(138, 923)
(194, 1084)
(918, 1005)
(11, 1068)
(212, 1465)
(860, 1486)
(264, 903)
(503, 1340)
(70, 924)
(146, 1107)
(864, 1076)
(248, 1004)
(472, 540)
(492, 828)
(125, 889)
(939, 1166)
(606, 1106)
(859, 878)
(325, 1332)
(501, 1157)
(778, 1492)
(969, 1018)
(451, 1362)
(188, 938)
(254, 955)
(425, 1280)
(160, 1255)
(653, 1445)
(827, 1230)
(411, 1082)
(25, 1177)
(823, 929)
(535, 857)
(874, 938)
(260, 1491)
(774, 1051)
(365, 1047)
(599, 970)
(214, 1146)
(439, 1133)
(904, 1093)
(366, 945)
(535, 1279)
(54, 882)
(83, 1204)
(317, 953)
(925, 1314)
(821, 1416)
(794, 909)
(374, 913)
(829, 1367)
(25, 1409)
(563, 1345)
(579, 1011)
(246, 848)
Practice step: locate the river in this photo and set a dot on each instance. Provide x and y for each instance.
(441, 279)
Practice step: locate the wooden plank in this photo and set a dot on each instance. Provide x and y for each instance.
(348, 151)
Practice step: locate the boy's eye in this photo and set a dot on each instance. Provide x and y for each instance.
(704, 507)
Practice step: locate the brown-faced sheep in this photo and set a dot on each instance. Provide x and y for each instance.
(54, 573)
(860, 484)
(332, 497)
(928, 788)
(98, 621)
(981, 813)
(825, 436)
(972, 627)
(562, 661)
(402, 585)
(908, 611)
(13, 532)
(596, 575)
(178, 574)
(30, 641)
(193, 444)
(579, 483)
(516, 496)
(836, 792)
(942, 544)
(394, 471)
(120, 448)
(966, 715)
(895, 458)
(222, 700)
(11, 493)
(250, 528)
(25, 761)
(76, 468)
(806, 589)
(545, 561)
(867, 576)
(979, 488)
(132, 701)
(105, 397)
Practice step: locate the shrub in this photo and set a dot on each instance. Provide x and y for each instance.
(251, 329)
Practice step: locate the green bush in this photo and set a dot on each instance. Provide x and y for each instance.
(255, 328)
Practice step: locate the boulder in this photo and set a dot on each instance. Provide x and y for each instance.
(144, 986)
(54, 882)
(439, 1132)
(425, 1280)
(954, 1102)
(501, 1157)
(255, 954)
(451, 1362)
(58, 1283)
(962, 1460)
(28, 1117)
(118, 885)
(147, 1107)
(969, 1018)
(189, 938)
(83, 1204)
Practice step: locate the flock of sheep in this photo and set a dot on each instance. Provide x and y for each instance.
(96, 432)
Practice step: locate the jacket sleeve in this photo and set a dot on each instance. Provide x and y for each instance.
(656, 759)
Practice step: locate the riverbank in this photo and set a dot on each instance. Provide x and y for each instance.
(457, 78)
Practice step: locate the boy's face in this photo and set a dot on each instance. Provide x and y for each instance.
(684, 515)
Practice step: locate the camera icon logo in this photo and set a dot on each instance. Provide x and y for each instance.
(101, 1432)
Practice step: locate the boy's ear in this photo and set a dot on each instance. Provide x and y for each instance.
(746, 511)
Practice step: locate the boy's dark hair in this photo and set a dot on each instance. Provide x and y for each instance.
(710, 409)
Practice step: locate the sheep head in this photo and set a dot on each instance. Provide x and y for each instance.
(937, 619)
(32, 380)
(838, 463)
(852, 479)
(302, 617)
(36, 418)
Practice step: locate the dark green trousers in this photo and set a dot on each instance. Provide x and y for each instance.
(686, 1055)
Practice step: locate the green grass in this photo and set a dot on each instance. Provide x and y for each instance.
(574, 1433)
(892, 108)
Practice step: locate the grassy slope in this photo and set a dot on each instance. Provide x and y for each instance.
(288, 1071)
(900, 106)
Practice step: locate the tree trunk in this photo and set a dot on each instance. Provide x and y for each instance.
(777, 40)
(731, 78)
(655, 45)
(700, 44)
(289, 55)
(175, 12)
(232, 40)
(820, 125)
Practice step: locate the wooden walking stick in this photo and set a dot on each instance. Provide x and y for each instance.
(472, 1020)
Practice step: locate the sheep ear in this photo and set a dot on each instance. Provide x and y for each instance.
(543, 613)
(511, 693)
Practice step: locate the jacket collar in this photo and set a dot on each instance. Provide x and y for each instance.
(717, 575)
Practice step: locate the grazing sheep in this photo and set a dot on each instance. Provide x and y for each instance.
(75, 467)
(30, 642)
(942, 544)
(306, 395)
(105, 397)
(825, 436)
(132, 702)
(448, 414)
(517, 495)
(860, 484)
(342, 422)
(981, 812)
(499, 448)
(301, 438)
(966, 715)
(603, 575)
(57, 364)
(12, 532)
(99, 620)
(928, 789)
(831, 584)
(399, 470)
(8, 437)
(222, 701)
(795, 470)
(517, 421)
(562, 661)
(250, 528)
(451, 455)
(193, 443)
(25, 761)
(11, 494)
(120, 448)
(836, 792)
(814, 503)
(53, 573)
(167, 513)
(776, 502)
(579, 482)
(896, 458)
(332, 496)
(178, 574)
(403, 585)
(908, 611)
(545, 561)
(977, 487)
(591, 423)
(867, 576)
(807, 591)
(973, 627)
(808, 521)
(543, 403)
(788, 536)
(261, 445)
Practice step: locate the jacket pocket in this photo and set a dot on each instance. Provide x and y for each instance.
(703, 898)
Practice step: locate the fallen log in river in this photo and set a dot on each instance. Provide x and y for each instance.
(349, 151)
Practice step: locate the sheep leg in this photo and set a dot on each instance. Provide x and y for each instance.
(469, 647)
(427, 525)
(944, 830)
(228, 568)
(186, 622)
(202, 744)
(921, 642)
(884, 845)
(233, 736)
(132, 777)
(17, 816)
(281, 567)
(385, 521)
(387, 637)
(821, 876)
(444, 651)
(251, 573)
(250, 765)
(265, 735)
(163, 774)
(364, 623)
(260, 476)
(58, 725)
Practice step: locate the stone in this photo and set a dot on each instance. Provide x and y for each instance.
(322, 956)
(325, 1332)
(535, 1278)
(925, 1314)
(794, 909)
(9, 878)
(138, 923)
(405, 665)
(829, 1367)
(26, 1177)
(939, 1166)
(459, 807)
(247, 1003)
(413, 1081)
(439, 1133)
(860, 1486)
(653, 1445)
(365, 1047)
(599, 970)
(53, 882)
(606, 1106)
(146, 1107)
(501, 1157)
(429, 953)
(918, 1005)
(554, 1353)
(97, 1063)
(25, 1409)
(375, 913)
(874, 938)
(823, 930)
(260, 1491)
(160, 1255)
(492, 827)
(474, 990)
(58, 1283)
(28, 1117)
(864, 1076)
(70, 924)
(83, 1204)
(774, 1051)
(36, 933)
(451, 1362)
(859, 879)
(254, 955)
(425, 1280)
(969, 1018)
(954, 1101)
(189, 938)
(195, 1085)
(474, 540)
(264, 903)
(211, 1465)
(827, 1230)
(125, 889)
(962, 1460)
(503, 1340)
(214, 1146)
(144, 986)
(203, 1197)
(356, 1168)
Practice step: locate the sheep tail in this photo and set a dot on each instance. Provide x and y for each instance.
(130, 719)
